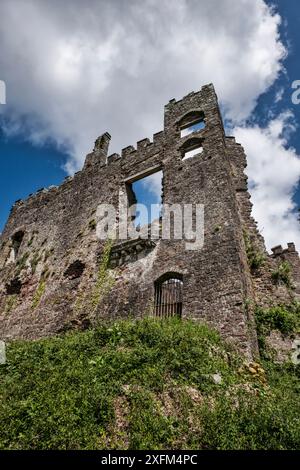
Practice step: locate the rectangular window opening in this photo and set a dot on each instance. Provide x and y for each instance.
(191, 153)
(147, 193)
(194, 127)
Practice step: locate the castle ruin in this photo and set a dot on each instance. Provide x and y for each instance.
(56, 274)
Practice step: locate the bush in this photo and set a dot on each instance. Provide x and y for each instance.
(282, 318)
(283, 274)
(269, 422)
(256, 259)
(143, 384)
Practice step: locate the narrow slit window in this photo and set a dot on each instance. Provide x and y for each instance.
(17, 239)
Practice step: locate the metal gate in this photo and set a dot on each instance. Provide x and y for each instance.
(168, 298)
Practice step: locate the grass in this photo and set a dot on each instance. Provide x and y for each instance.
(21, 263)
(144, 384)
(38, 294)
(11, 302)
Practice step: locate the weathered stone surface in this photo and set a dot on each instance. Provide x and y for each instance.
(2, 353)
(285, 348)
(57, 264)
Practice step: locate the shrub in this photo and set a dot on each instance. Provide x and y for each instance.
(284, 318)
(256, 258)
(283, 274)
(143, 384)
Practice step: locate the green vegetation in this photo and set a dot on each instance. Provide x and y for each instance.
(11, 302)
(48, 253)
(144, 384)
(89, 300)
(34, 262)
(21, 263)
(103, 283)
(256, 259)
(105, 280)
(38, 294)
(30, 241)
(282, 275)
(284, 318)
(92, 224)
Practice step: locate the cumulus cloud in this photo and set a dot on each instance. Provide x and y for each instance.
(75, 69)
(274, 172)
(153, 183)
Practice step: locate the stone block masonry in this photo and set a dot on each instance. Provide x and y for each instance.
(55, 274)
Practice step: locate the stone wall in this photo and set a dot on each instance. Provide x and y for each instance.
(53, 269)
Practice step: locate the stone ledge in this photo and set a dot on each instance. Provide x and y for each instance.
(130, 251)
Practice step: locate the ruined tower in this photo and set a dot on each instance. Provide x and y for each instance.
(56, 273)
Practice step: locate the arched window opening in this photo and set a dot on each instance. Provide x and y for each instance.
(168, 296)
(191, 122)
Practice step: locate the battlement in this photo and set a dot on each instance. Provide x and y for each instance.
(205, 89)
(99, 155)
(278, 250)
(51, 254)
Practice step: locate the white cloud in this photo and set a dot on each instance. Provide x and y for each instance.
(274, 172)
(153, 183)
(75, 69)
(279, 95)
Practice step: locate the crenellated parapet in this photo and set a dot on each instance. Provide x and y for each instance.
(52, 260)
(291, 256)
(99, 154)
(279, 251)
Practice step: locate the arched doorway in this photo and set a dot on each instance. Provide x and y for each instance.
(168, 295)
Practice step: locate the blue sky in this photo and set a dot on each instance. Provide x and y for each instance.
(138, 73)
(25, 169)
(290, 33)
(290, 12)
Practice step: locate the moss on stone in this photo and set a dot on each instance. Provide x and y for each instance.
(38, 294)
